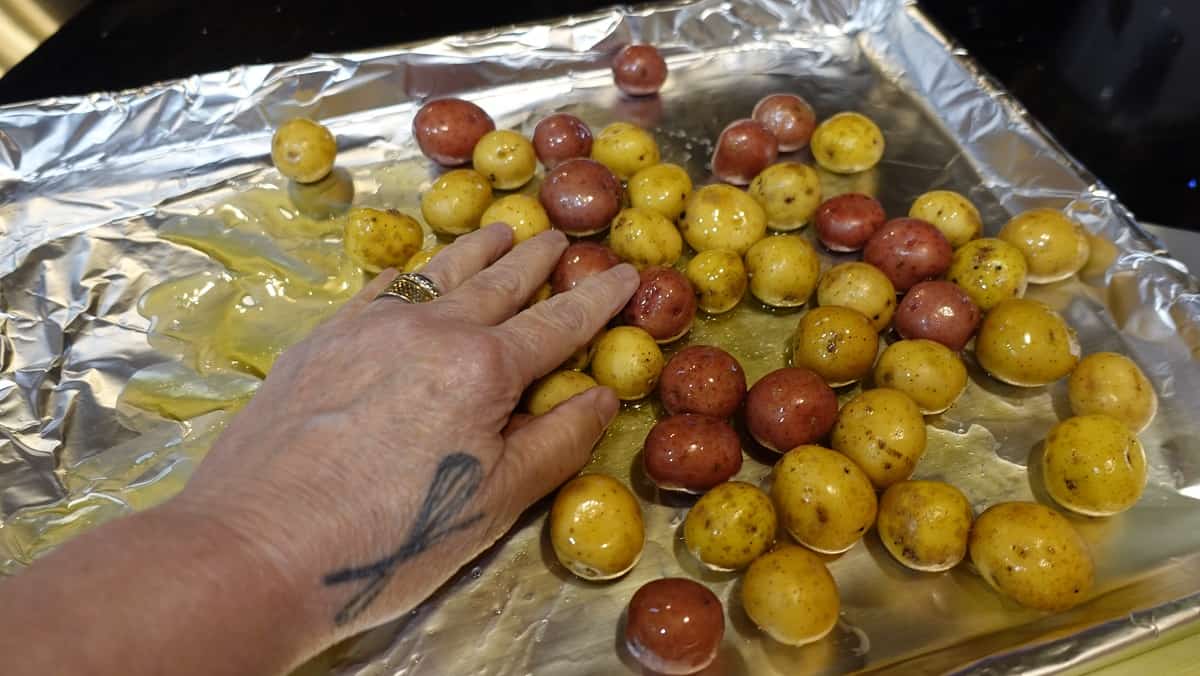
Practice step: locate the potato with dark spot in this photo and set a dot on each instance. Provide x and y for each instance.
(556, 388)
(596, 527)
(378, 239)
(789, 193)
(674, 626)
(744, 149)
(506, 158)
(456, 202)
(790, 407)
(691, 453)
(931, 373)
(824, 500)
(664, 304)
(783, 270)
(883, 432)
(1112, 384)
(949, 212)
(303, 150)
(847, 143)
(645, 238)
(989, 270)
(1055, 247)
(847, 222)
(448, 129)
(639, 70)
(722, 217)
(561, 137)
(730, 526)
(791, 596)
(938, 311)
(925, 525)
(628, 360)
(908, 251)
(837, 343)
(720, 279)
(581, 260)
(662, 188)
(625, 149)
(1025, 343)
(788, 117)
(860, 287)
(581, 196)
(522, 213)
(702, 379)
(1094, 465)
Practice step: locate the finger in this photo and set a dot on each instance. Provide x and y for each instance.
(502, 289)
(365, 295)
(549, 332)
(467, 256)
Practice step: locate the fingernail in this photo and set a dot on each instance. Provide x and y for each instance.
(607, 404)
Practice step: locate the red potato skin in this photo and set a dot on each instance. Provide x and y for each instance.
(789, 118)
(448, 129)
(702, 379)
(937, 311)
(908, 251)
(790, 407)
(674, 626)
(664, 304)
(846, 222)
(691, 452)
(580, 260)
(581, 196)
(639, 70)
(745, 148)
(560, 137)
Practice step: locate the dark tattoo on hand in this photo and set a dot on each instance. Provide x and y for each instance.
(454, 484)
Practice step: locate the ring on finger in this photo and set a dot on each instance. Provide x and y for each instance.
(411, 287)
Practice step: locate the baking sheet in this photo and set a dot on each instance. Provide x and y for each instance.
(88, 185)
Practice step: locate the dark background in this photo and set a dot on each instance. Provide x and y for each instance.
(1116, 81)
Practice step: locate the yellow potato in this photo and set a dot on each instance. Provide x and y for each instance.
(1025, 343)
(783, 270)
(376, 239)
(925, 524)
(522, 213)
(847, 143)
(456, 201)
(1032, 554)
(628, 360)
(930, 373)
(883, 432)
(989, 271)
(951, 213)
(791, 596)
(836, 343)
(789, 193)
(644, 237)
(421, 258)
(325, 198)
(596, 527)
(730, 526)
(719, 278)
(1055, 247)
(663, 188)
(824, 500)
(862, 287)
(1111, 384)
(506, 158)
(625, 149)
(1094, 465)
(720, 216)
(303, 150)
(556, 388)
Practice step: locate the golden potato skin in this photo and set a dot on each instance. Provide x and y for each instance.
(720, 216)
(1023, 342)
(930, 373)
(522, 213)
(1031, 553)
(1094, 465)
(663, 188)
(628, 360)
(421, 258)
(377, 239)
(303, 150)
(836, 343)
(883, 432)
(506, 158)
(824, 500)
(925, 525)
(951, 213)
(1111, 384)
(730, 526)
(862, 287)
(791, 596)
(847, 143)
(625, 149)
(989, 270)
(783, 270)
(789, 193)
(1055, 247)
(644, 238)
(456, 201)
(596, 527)
(556, 388)
(720, 279)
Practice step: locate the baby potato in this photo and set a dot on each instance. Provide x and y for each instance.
(847, 221)
(860, 287)
(691, 453)
(421, 258)
(929, 372)
(662, 188)
(579, 261)
(1094, 465)
(1055, 247)
(847, 143)
(560, 137)
(989, 270)
(506, 158)
(1111, 384)
(789, 193)
(720, 216)
(1025, 343)
(381, 239)
(949, 212)
(783, 270)
(639, 70)
(580, 196)
(628, 360)
(556, 388)
(702, 379)
(925, 525)
(664, 304)
(791, 596)
(788, 117)
(625, 149)
(744, 149)
(790, 407)
(303, 150)
(522, 213)
(448, 129)
(1031, 553)
(674, 626)
(908, 251)
(837, 343)
(720, 279)
(730, 526)
(456, 201)
(645, 238)
(824, 500)
(596, 527)
(883, 432)
(939, 311)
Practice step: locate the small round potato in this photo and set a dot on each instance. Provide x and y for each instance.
(939, 311)
(326, 198)
(789, 193)
(702, 379)
(788, 117)
(783, 270)
(989, 270)
(691, 453)
(645, 238)
(421, 258)
(581, 196)
(908, 251)
(791, 596)
(730, 526)
(456, 201)
(847, 221)
(674, 626)
(790, 407)
(596, 527)
(625, 149)
(720, 279)
(628, 360)
(1094, 465)
(522, 213)
(662, 188)
(951, 213)
(860, 287)
(925, 525)
(883, 432)
(448, 129)
(1025, 343)
(824, 500)
(579, 261)
(744, 149)
(1031, 553)
(639, 70)
(506, 158)
(1111, 384)
(664, 304)
(378, 239)
(1055, 247)
(720, 216)
(837, 343)
(931, 373)
(303, 150)
(847, 143)
(561, 137)
(556, 388)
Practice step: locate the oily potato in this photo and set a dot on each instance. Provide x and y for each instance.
(662, 188)
(674, 626)
(930, 373)
(581, 196)
(628, 360)
(1112, 384)
(720, 216)
(1055, 247)
(625, 149)
(1094, 465)
(447, 130)
(883, 432)
(1025, 343)
(949, 212)
(925, 525)
(422, 258)
(783, 270)
(744, 149)
(730, 526)
(303, 150)
(719, 278)
(664, 304)
(644, 238)
(908, 251)
(691, 453)
(847, 143)
(791, 596)
(837, 343)
(789, 193)
(456, 201)
(790, 407)
(556, 388)
(522, 213)
(377, 239)
(596, 527)
(702, 379)
(940, 311)
(561, 137)
(506, 158)
(861, 287)
(825, 502)
(989, 270)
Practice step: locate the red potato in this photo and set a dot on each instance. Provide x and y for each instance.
(691, 452)
(674, 626)
(745, 148)
(664, 304)
(909, 250)
(938, 311)
(846, 222)
(790, 407)
(639, 70)
(560, 137)
(580, 260)
(788, 117)
(581, 196)
(702, 379)
(448, 129)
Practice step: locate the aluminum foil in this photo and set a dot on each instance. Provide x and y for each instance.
(95, 190)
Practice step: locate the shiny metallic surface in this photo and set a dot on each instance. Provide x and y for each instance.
(88, 185)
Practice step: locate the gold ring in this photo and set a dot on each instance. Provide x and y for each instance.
(411, 287)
